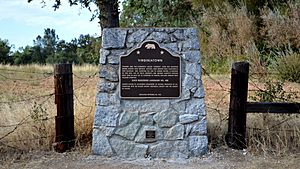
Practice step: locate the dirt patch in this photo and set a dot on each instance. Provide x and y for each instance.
(218, 159)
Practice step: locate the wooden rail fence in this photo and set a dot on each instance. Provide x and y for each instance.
(239, 107)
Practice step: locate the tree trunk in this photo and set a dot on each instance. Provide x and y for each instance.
(109, 14)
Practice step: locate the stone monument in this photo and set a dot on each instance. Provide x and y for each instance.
(150, 97)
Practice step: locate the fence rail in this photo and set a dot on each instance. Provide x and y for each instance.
(239, 107)
(265, 107)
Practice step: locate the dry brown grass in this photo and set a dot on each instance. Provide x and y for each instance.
(281, 30)
(267, 134)
(37, 132)
(231, 33)
(32, 121)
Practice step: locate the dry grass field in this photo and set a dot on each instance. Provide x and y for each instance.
(28, 109)
(27, 112)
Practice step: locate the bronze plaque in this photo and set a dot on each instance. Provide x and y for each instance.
(150, 72)
(150, 134)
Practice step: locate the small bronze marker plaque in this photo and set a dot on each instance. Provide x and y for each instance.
(150, 134)
(150, 72)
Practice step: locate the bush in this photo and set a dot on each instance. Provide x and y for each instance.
(280, 30)
(288, 67)
(273, 92)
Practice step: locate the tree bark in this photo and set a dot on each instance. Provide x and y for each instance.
(109, 14)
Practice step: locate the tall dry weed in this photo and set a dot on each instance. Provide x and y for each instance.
(273, 134)
(281, 30)
(231, 32)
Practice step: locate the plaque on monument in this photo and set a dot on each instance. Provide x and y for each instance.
(150, 134)
(150, 72)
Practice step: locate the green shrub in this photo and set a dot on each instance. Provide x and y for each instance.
(273, 92)
(216, 65)
(288, 67)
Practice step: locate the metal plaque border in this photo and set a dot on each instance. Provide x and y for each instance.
(130, 51)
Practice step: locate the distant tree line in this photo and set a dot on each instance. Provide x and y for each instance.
(172, 13)
(49, 49)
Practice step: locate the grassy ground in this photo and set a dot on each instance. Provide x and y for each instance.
(27, 120)
(32, 120)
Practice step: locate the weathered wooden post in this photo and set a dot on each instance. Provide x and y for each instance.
(64, 121)
(235, 137)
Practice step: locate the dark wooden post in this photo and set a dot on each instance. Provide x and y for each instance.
(64, 121)
(235, 137)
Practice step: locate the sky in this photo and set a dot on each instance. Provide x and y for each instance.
(22, 22)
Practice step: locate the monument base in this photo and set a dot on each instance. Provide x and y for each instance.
(150, 127)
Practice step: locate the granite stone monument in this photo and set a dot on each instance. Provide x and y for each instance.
(150, 97)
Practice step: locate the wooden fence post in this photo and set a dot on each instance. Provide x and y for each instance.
(64, 121)
(235, 137)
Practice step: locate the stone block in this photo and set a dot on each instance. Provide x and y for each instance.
(179, 105)
(113, 38)
(191, 44)
(114, 99)
(138, 36)
(185, 95)
(147, 119)
(128, 149)
(179, 35)
(114, 60)
(103, 56)
(102, 99)
(169, 149)
(172, 47)
(106, 116)
(198, 145)
(161, 150)
(160, 37)
(193, 69)
(106, 86)
(128, 117)
(181, 150)
(199, 93)
(196, 106)
(130, 130)
(101, 144)
(197, 128)
(191, 33)
(175, 133)
(107, 131)
(114, 57)
(189, 83)
(166, 118)
(193, 89)
(109, 72)
(145, 105)
(188, 118)
(191, 56)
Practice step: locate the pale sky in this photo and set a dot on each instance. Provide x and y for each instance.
(22, 22)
